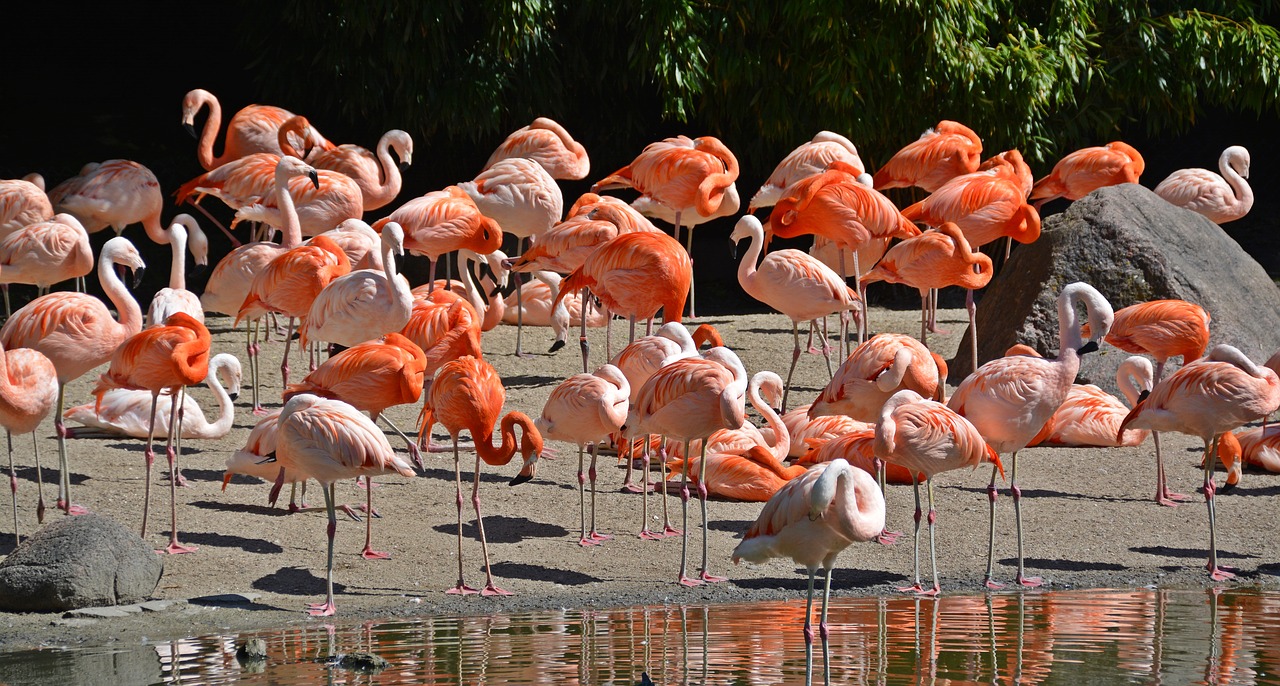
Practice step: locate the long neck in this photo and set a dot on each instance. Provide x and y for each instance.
(389, 263)
(478, 300)
(1069, 338)
(390, 181)
(292, 229)
(747, 266)
(204, 152)
(501, 454)
(781, 437)
(178, 269)
(226, 409)
(130, 313)
(1244, 192)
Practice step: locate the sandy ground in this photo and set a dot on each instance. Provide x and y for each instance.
(1090, 520)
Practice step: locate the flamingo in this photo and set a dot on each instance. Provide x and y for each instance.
(750, 475)
(1221, 198)
(1207, 398)
(1260, 447)
(232, 279)
(329, 440)
(28, 389)
(320, 205)
(22, 203)
(792, 282)
(584, 410)
(926, 436)
(686, 176)
(44, 253)
(376, 173)
(802, 430)
(1161, 329)
(875, 370)
(77, 333)
(253, 129)
(363, 304)
(1088, 169)
(565, 246)
(443, 221)
(536, 298)
(1009, 399)
(183, 231)
(244, 180)
(811, 157)
(359, 241)
(467, 395)
(940, 154)
(113, 193)
(523, 198)
(550, 145)
(811, 520)
(125, 412)
(481, 295)
(647, 207)
(936, 259)
(168, 357)
(1090, 417)
(256, 459)
(685, 400)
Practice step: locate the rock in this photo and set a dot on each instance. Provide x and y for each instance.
(252, 649)
(78, 562)
(104, 612)
(360, 662)
(1132, 246)
(224, 599)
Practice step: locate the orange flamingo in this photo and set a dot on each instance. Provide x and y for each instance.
(363, 304)
(858, 447)
(535, 301)
(1088, 169)
(1009, 399)
(751, 474)
(375, 172)
(926, 436)
(985, 204)
(804, 430)
(1260, 447)
(253, 129)
(113, 193)
(1207, 398)
(792, 282)
(875, 370)
(685, 400)
(565, 246)
(1219, 199)
(1161, 329)
(329, 440)
(584, 410)
(320, 208)
(550, 145)
(245, 180)
(1090, 417)
(169, 357)
(443, 221)
(811, 157)
(811, 520)
(22, 203)
(77, 333)
(467, 395)
(940, 154)
(28, 389)
(371, 377)
(685, 175)
(183, 232)
(936, 259)
(44, 253)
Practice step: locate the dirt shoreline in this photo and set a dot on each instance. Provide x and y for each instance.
(1090, 520)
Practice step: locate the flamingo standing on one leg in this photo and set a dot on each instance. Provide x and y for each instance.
(169, 357)
(1219, 199)
(28, 390)
(811, 520)
(77, 333)
(1088, 169)
(329, 440)
(467, 395)
(584, 410)
(940, 154)
(1207, 398)
(926, 436)
(1009, 399)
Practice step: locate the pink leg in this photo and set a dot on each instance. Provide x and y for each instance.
(684, 579)
(170, 453)
(369, 553)
(1216, 572)
(149, 455)
(583, 540)
(327, 608)
(284, 361)
(1028, 581)
(489, 587)
(667, 529)
(596, 536)
(704, 574)
(461, 588)
(645, 533)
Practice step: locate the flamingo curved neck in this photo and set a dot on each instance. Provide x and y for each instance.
(500, 454)
(747, 267)
(118, 294)
(204, 152)
(178, 268)
(226, 409)
(389, 171)
(479, 301)
(291, 232)
(781, 437)
(1243, 191)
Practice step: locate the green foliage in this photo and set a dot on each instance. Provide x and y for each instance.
(1043, 76)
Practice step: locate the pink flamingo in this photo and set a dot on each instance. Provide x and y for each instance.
(183, 232)
(28, 389)
(926, 436)
(77, 333)
(1207, 398)
(329, 440)
(550, 145)
(1219, 199)
(441, 222)
(22, 203)
(320, 204)
(986, 204)
(803, 430)
(364, 304)
(584, 410)
(253, 129)
(376, 173)
(1090, 417)
(254, 459)
(44, 253)
(113, 193)
(811, 157)
(1009, 399)
(875, 370)
(535, 300)
(811, 520)
(792, 282)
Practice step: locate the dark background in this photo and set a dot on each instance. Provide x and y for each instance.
(108, 83)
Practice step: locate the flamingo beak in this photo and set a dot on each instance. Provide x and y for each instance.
(315, 178)
(527, 472)
(137, 275)
(1091, 346)
(733, 250)
(226, 479)
(191, 129)
(198, 269)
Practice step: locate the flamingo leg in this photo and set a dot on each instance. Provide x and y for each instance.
(991, 537)
(631, 335)
(251, 350)
(823, 632)
(886, 536)
(582, 501)
(35, 445)
(149, 455)
(170, 453)
(414, 453)
(808, 630)
(284, 361)
(933, 549)
(844, 330)
(520, 243)
(915, 543)
(369, 553)
(431, 279)
(327, 608)
(64, 478)
(460, 588)
(7, 311)
(705, 575)
(645, 533)
(684, 511)
(596, 536)
(826, 349)
(924, 318)
(1216, 571)
(489, 587)
(608, 332)
(795, 357)
(667, 529)
(688, 248)
(13, 487)
(582, 335)
(1022, 579)
(863, 324)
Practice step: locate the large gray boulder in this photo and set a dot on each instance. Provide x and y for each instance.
(77, 562)
(1132, 246)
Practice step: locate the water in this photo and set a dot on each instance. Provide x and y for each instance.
(1086, 637)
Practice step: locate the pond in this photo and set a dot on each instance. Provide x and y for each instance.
(1146, 636)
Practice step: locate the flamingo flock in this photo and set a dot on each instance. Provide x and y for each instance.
(885, 412)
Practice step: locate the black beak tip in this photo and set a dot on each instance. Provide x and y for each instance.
(315, 178)
(555, 347)
(1143, 395)
(191, 129)
(234, 396)
(404, 166)
(198, 269)
(1091, 346)
(519, 479)
(137, 275)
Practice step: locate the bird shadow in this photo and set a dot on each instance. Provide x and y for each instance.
(467, 476)
(733, 526)
(1268, 568)
(240, 507)
(767, 332)
(529, 381)
(215, 476)
(1268, 491)
(503, 529)
(50, 475)
(1192, 553)
(840, 578)
(1066, 565)
(295, 581)
(1045, 493)
(528, 572)
(249, 545)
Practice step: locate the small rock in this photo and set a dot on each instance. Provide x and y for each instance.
(105, 612)
(360, 662)
(76, 562)
(160, 605)
(227, 599)
(251, 650)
